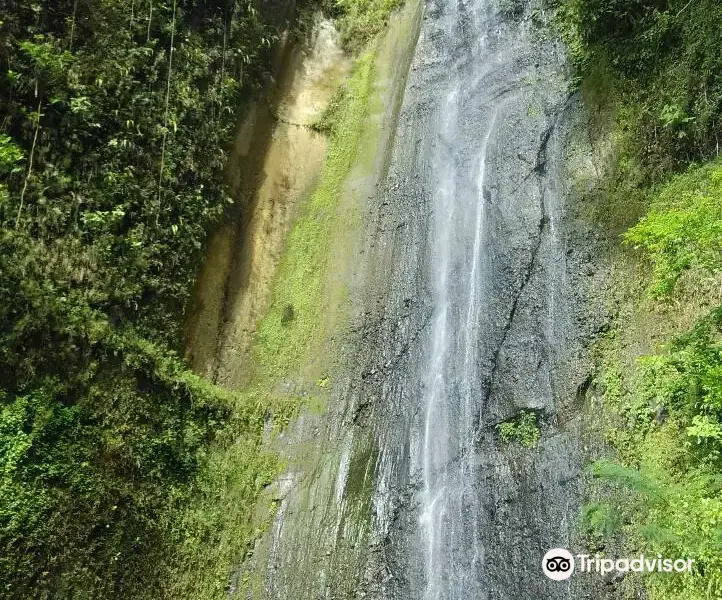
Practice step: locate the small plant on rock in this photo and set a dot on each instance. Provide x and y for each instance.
(522, 429)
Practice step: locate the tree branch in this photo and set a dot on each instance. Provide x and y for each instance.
(165, 118)
(30, 166)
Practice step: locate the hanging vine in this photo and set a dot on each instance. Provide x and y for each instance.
(165, 112)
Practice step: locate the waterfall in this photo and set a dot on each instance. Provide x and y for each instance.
(449, 427)
(490, 246)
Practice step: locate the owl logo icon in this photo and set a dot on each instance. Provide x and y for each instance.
(558, 564)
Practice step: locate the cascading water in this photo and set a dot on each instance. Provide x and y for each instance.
(451, 413)
(452, 398)
(487, 90)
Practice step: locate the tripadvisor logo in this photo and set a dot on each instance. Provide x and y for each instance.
(559, 564)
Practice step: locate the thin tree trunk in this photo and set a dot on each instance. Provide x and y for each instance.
(683, 9)
(72, 25)
(716, 139)
(150, 18)
(223, 59)
(167, 99)
(223, 66)
(30, 166)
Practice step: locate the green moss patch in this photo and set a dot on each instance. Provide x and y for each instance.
(284, 345)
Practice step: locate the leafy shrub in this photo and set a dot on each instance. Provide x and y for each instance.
(683, 229)
(672, 406)
(655, 65)
(669, 516)
(664, 54)
(522, 429)
(360, 20)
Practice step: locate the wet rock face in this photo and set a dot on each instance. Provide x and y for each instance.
(472, 304)
(487, 313)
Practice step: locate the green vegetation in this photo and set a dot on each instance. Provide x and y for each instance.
(114, 120)
(219, 526)
(682, 230)
(359, 21)
(123, 474)
(522, 429)
(666, 72)
(653, 68)
(670, 406)
(362, 19)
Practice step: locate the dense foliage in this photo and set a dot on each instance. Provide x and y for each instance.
(682, 230)
(674, 409)
(664, 58)
(114, 117)
(669, 426)
(656, 68)
(122, 474)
